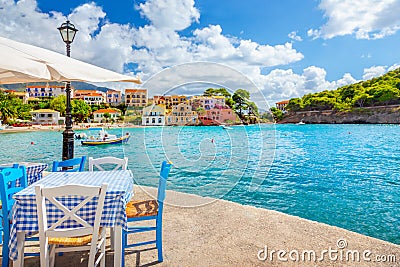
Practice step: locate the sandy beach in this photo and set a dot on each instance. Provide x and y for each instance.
(223, 233)
(60, 128)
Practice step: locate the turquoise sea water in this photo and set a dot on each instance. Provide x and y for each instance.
(342, 175)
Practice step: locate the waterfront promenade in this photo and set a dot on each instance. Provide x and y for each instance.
(229, 234)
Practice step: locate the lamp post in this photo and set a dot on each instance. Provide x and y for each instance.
(68, 31)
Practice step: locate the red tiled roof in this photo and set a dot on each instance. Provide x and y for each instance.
(107, 110)
(282, 102)
(135, 90)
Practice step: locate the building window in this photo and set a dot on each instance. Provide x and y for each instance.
(153, 120)
(147, 120)
(159, 120)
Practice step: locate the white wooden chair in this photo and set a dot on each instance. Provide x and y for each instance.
(84, 236)
(111, 162)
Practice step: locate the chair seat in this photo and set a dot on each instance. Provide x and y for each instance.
(72, 241)
(140, 208)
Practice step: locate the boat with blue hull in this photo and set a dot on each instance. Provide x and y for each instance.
(102, 138)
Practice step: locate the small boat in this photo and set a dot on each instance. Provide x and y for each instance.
(301, 123)
(81, 136)
(104, 138)
(226, 127)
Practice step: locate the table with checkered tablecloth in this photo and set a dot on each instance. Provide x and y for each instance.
(34, 171)
(119, 192)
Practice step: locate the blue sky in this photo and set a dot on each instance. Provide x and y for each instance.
(286, 47)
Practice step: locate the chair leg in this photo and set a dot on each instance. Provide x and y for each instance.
(52, 255)
(20, 248)
(6, 250)
(112, 242)
(45, 254)
(124, 244)
(159, 241)
(103, 250)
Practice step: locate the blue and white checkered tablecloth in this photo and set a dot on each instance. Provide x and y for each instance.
(34, 171)
(119, 192)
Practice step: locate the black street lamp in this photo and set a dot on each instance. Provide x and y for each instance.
(68, 31)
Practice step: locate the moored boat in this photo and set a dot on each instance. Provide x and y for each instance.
(226, 127)
(104, 138)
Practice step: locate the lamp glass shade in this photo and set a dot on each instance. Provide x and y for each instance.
(67, 31)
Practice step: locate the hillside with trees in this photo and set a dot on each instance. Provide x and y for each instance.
(380, 91)
(365, 97)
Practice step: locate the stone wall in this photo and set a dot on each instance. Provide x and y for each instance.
(370, 115)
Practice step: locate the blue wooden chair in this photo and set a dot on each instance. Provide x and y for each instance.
(15, 165)
(145, 210)
(70, 165)
(8, 187)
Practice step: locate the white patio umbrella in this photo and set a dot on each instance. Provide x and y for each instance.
(22, 63)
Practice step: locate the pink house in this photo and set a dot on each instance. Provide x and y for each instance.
(216, 116)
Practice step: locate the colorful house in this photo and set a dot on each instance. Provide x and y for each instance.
(282, 105)
(113, 97)
(169, 100)
(46, 116)
(136, 97)
(153, 115)
(46, 90)
(217, 116)
(98, 115)
(91, 97)
(182, 114)
(207, 102)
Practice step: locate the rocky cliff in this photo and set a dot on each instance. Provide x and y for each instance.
(370, 115)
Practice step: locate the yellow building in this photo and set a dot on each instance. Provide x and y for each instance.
(136, 97)
(169, 100)
(182, 114)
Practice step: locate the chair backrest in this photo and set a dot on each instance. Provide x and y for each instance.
(80, 226)
(162, 185)
(114, 163)
(12, 180)
(68, 165)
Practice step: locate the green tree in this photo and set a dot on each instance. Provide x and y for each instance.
(23, 112)
(122, 107)
(253, 108)
(201, 110)
(277, 113)
(106, 117)
(7, 111)
(59, 103)
(240, 97)
(217, 92)
(80, 110)
(229, 101)
(295, 104)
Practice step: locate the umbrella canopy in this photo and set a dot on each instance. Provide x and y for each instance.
(22, 63)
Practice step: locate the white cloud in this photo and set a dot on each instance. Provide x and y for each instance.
(285, 84)
(158, 45)
(293, 35)
(171, 14)
(374, 71)
(365, 19)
